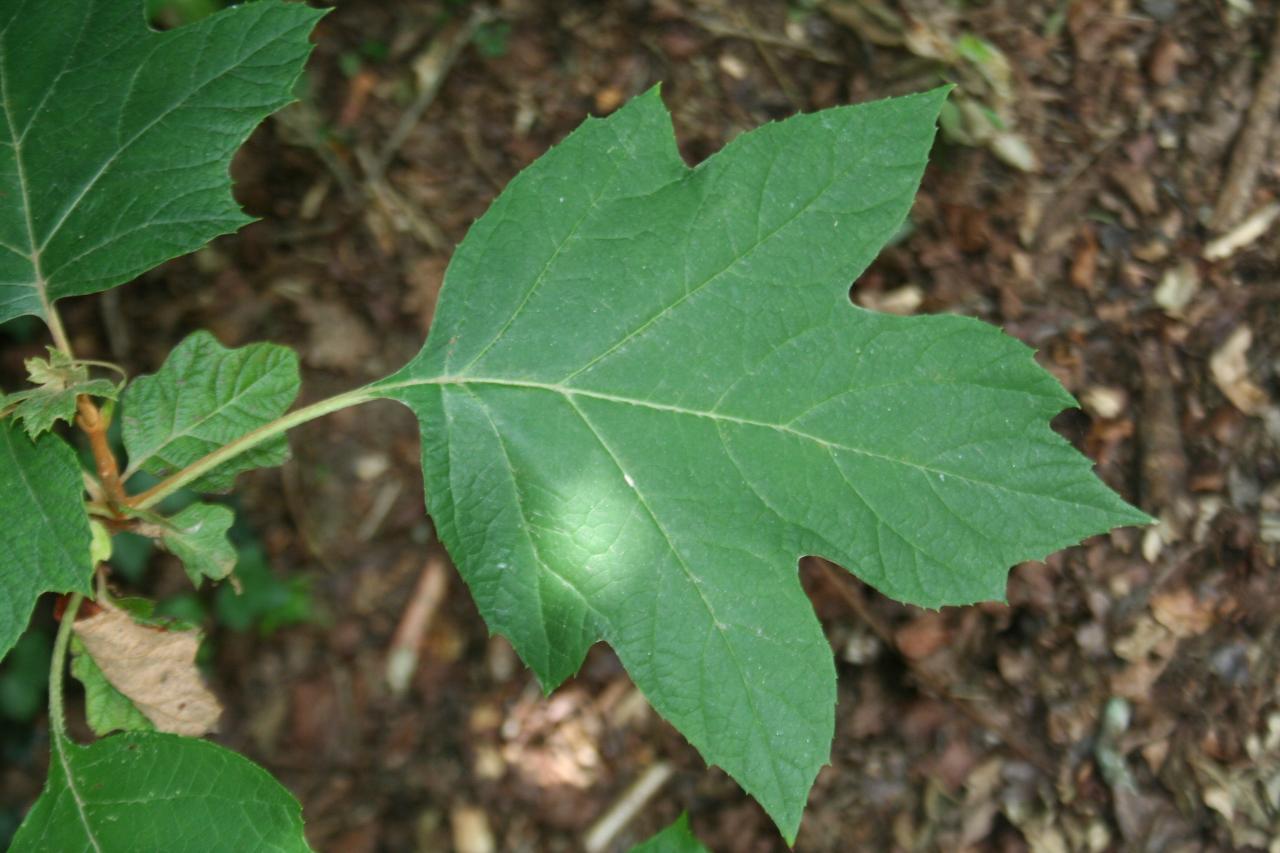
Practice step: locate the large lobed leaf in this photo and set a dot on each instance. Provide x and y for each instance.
(44, 542)
(152, 791)
(116, 139)
(646, 395)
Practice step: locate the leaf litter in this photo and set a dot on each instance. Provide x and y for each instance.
(1093, 99)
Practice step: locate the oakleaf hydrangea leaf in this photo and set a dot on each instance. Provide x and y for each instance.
(106, 708)
(44, 540)
(203, 397)
(198, 537)
(646, 394)
(116, 139)
(153, 791)
(676, 838)
(60, 379)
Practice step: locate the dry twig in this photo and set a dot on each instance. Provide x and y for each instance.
(626, 807)
(431, 67)
(402, 658)
(1251, 148)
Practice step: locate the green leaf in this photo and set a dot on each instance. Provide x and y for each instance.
(151, 791)
(44, 541)
(116, 139)
(61, 379)
(198, 537)
(676, 838)
(203, 397)
(107, 709)
(99, 542)
(646, 394)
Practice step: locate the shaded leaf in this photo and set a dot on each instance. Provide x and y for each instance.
(116, 139)
(645, 395)
(44, 541)
(676, 838)
(154, 668)
(107, 709)
(203, 397)
(153, 791)
(198, 537)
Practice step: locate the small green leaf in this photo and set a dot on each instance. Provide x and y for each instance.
(116, 139)
(646, 394)
(44, 541)
(99, 542)
(676, 838)
(61, 380)
(203, 397)
(107, 709)
(152, 791)
(198, 537)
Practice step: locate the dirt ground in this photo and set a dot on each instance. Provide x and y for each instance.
(1088, 195)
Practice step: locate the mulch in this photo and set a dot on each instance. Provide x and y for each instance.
(1103, 194)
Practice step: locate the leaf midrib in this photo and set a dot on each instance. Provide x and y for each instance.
(570, 392)
(60, 745)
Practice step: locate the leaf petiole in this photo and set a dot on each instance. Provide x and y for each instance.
(247, 442)
(54, 322)
(57, 720)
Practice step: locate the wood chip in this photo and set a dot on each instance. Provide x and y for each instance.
(471, 831)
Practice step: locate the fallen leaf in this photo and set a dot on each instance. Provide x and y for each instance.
(1230, 370)
(923, 636)
(1084, 266)
(1182, 613)
(1177, 286)
(154, 668)
(1015, 151)
(1105, 401)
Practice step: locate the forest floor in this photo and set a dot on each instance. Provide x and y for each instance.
(1087, 195)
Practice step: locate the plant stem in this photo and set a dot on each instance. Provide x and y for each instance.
(57, 720)
(90, 420)
(54, 322)
(247, 442)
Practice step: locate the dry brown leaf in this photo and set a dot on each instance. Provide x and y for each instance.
(1230, 369)
(154, 668)
(1182, 613)
(922, 636)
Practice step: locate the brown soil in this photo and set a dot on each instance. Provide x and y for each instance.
(973, 728)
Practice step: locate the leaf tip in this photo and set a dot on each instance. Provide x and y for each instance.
(1131, 516)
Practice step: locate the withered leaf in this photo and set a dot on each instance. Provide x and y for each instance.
(155, 668)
